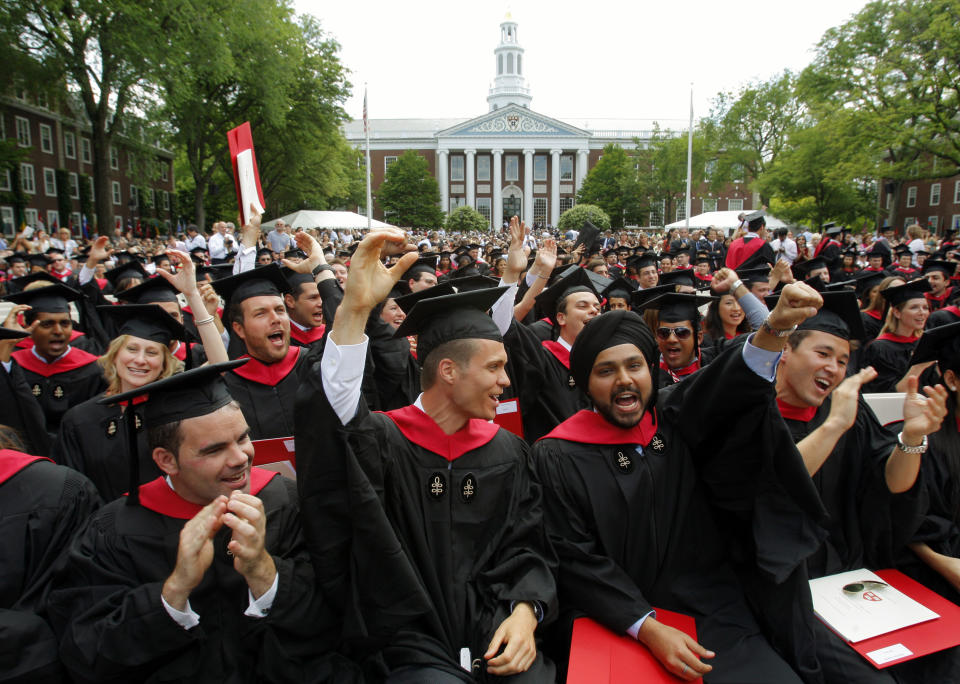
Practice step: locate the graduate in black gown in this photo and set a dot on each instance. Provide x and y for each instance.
(889, 354)
(21, 410)
(867, 477)
(636, 498)
(201, 575)
(59, 375)
(42, 505)
(679, 335)
(424, 522)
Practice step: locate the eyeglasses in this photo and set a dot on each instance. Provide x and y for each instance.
(863, 585)
(681, 331)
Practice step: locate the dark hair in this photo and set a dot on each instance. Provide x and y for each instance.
(458, 351)
(11, 439)
(713, 324)
(562, 302)
(165, 436)
(30, 315)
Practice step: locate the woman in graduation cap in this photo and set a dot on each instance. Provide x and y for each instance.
(874, 304)
(889, 354)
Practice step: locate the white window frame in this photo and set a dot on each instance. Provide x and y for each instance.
(165, 171)
(912, 196)
(114, 158)
(514, 161)
(954, 221)
(709, 202)
(540, 168)
(116, 192)
(656, 213)
(46, 138)
(135, 194)
(26, 174)
(458, 166)
(53, 219)
(77, 220)
(539, 216)
(567, 203)
(483, 168)
(566, 167)
(710, 168)
(23, 131)
(933, 222)
(6, 185)
(86, 151)
(69, 145)
(8, 221)
(934, 194)
(735, 204)
(909, 221)
(74, 185)
(457, 202)
(31, 217)
(152, 197)
(165, 199)
(131, 162)
(388, 161)
(485, 207)
(956, 192)
(681, 209)
(49, 181)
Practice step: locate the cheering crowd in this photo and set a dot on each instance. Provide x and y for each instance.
(492, 436)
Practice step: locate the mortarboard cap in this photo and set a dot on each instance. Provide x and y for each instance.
(150, 291)
(53, 298)
(864, 281)
(941, 344)
(425, 264)
(915, 289)
(406, 302)
(638, 297)
(948, 268)
(680, 277)
(756, 219)
(619, 287)
(474, 282)
(574, 279)
(640, 261)
(676, 306)
(839, 315)
(266, 280)
(130, 269)
(296, 253)
(587, 236)
(749, 276)
(755, 260)
(803, 269)
(11, 334)
(38, 260)
(146, 321)
(216, 272)
(39, 277)
(438, 320)
(264, 250)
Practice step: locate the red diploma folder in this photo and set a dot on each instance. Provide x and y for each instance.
(240, 141)
(508, 416)
(599, 656)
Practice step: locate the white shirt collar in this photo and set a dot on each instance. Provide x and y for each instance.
(34, 350)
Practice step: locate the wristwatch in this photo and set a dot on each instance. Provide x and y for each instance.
(919, 449)
(320, 268)
(785, 332)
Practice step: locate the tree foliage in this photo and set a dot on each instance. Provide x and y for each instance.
(662, 170)
(574, 217)
(466, 219)
(612, 185)
(409, 195)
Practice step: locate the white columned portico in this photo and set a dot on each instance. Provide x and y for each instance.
(496, 219)
(582, 162)
(471, 178)
(555, 187)
(528, 186)
(442, 166)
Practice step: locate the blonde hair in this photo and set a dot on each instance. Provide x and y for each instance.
(915, 231)
(891, 323)
(171, 364)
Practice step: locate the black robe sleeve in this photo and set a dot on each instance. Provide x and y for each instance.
(891, 360)
(22, 412)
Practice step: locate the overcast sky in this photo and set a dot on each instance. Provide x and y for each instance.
(584, 61)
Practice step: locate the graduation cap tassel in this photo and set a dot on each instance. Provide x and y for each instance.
(133, 495)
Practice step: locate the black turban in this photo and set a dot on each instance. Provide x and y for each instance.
(605, 331)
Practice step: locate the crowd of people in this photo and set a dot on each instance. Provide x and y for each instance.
(490, 437)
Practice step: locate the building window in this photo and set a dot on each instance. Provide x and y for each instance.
(483, 168)
(85, 150)
(710, 168)
(540, 167)
(457, 202)
(114, 158)
(77, 222)
(912, 196)
(540, 211)
(49, 183)
(656, 213)
(566, 167)
(165, 198)
(736, 170)
(69, 145)
(134, 195)
(681, 210)
(483, 206)
(519, 64)
(387, 163)
(709, 204)
(31, 217)
(131, 162)
(511, 170)
(42, 100)
(27, 181)
(566, 203)
(456, 167)
(509, 62)
(909, 221)
(934, 194)
(117, 199)
(956, 192)
(7, 219)
(53, 219)
(955, 220)
(5, 183)
(499, 64)
(889, 201)
(164, 171)
(74, 186)
(23, 131)
(933, 222)
(46, 138)
(734, 205)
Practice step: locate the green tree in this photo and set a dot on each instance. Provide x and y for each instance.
(409, 195)
(611, 185)
(574, 217)
(105, 51)
(662, 170)
(466, 219)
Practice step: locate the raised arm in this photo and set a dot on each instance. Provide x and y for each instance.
(185, 281)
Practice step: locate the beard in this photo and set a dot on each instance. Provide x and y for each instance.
(621, 420)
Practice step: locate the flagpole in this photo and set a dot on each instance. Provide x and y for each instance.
(689, 160)
(366, 132)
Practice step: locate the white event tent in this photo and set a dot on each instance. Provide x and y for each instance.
(724, 220)
(326, 220)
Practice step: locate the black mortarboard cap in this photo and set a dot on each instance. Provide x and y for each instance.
(639, 297)
(11, 334)
(264, 250)
(406, 302)
(295, 279)
(474, 282)
(54, 298)
(755, 260)
(181, 396)
(266, 280)
(902, 293)
(839, 315)
(676, 306)
(438, 320)
(131, 269)
(425, 264)
(900, 250)
(866, 280)
(146, 321)
(575, 280)
(678, 277)
(761, 274)
(941, 344)
(803, 268)
(619, 287)
(150, 291)
(948, 268)
(587, 236)
(16, 258)
(38, 260)
(54, 250)
(38, 277)
(296, 253)
(640, 261)
(216, 272)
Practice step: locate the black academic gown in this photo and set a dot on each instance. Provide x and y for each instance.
(61, 385)
(106, 606)
(890, 357)
(424, 554)
(395, 369)
(93, 441)
(945, 316)
(41, 506)
(540, 377)
(662, 526)
(871, 325)
(22, 412)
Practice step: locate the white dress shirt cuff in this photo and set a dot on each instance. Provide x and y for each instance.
(634, 629)
(246, 260)
(260, 607)
(760, 361)
(341, 370)
(86, 275)
(502, 310)
(185, 618)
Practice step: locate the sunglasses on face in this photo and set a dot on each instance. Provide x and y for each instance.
(681, 331)
(863, 585)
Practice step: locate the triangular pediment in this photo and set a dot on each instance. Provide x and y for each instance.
(513, 120)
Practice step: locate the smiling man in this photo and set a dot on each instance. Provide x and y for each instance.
(202, 573)
(633, 487)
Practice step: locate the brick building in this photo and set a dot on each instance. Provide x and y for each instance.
(58, 166)
(513, 160)
(934, 204)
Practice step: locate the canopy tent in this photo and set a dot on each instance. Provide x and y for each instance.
(723, 220)
(326, 220)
